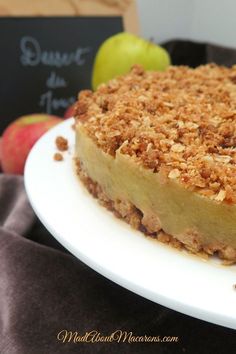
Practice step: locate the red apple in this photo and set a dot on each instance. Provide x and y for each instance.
(19, 137)
(70, 111)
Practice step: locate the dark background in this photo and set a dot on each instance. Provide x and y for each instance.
(21, 86)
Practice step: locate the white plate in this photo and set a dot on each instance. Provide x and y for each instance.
(199, 288)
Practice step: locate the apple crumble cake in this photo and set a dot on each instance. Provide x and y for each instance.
(159, 150)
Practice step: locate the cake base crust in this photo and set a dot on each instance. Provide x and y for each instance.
(133, 216)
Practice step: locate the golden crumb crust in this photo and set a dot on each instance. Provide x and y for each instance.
(181, 121)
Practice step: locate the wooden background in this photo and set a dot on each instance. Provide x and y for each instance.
(126, 8)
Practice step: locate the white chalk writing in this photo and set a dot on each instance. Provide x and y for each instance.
(33, 55)
(55, 81)
(49, 103)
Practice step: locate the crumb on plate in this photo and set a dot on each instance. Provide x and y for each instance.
(58, 157)
(61, 143)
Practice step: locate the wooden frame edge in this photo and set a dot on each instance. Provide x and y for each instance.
(124, 8)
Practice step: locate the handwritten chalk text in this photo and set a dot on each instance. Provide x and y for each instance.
(33, 55)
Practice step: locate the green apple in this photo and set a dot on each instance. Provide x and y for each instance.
(118, 53)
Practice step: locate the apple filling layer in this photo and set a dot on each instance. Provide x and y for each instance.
(159, 148)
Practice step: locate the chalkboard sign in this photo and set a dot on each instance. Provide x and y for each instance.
(45, 61)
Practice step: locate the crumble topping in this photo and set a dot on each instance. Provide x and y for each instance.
(181, 122)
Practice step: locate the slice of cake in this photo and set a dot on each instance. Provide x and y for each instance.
(159, 149)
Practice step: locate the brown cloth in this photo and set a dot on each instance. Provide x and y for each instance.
(44, 289)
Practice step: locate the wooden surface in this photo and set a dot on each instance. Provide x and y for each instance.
(126, 8)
